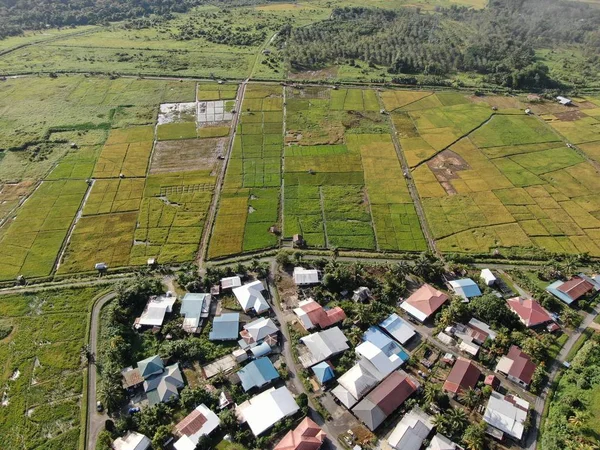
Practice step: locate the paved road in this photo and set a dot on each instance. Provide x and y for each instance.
(59, 285)
(95, 420)
(291, 365)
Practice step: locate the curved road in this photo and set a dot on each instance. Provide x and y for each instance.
(95, 420)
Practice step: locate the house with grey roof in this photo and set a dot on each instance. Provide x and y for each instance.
(150, 366)
(323, 345)
(161, 383)
(257, 373)
(194, 307)
(225, 327)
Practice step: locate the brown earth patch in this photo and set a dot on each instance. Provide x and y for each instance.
(498, 101)
(188, 154)
(323, 74)
(570, 116)
(445, 166)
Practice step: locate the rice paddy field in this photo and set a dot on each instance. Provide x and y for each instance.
(491, 177)
(41, 373)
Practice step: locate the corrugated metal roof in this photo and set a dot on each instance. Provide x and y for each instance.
(257, 373)
(225, 327)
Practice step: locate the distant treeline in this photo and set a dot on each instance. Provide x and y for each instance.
(498, 41)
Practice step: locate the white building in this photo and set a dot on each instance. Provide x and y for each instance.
(264, 410)
(200, 422)
(231, 282)
(304, 277)
(354, 384)
(440, 442)
(132, 441)
(507, 414)
(323, 345)
(564, 100)
(488, 277)
(411, 431)
(250, 297)
(155, 310)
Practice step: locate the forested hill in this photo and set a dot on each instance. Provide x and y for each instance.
(498, 41)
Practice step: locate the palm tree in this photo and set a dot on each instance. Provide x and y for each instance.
(470, 398)
(578, 419)
(474, 437)
(440, 421)
(432, 393)
(457, 418)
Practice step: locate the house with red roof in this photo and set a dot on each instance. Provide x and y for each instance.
(530, 312)
(517, 366)
(312, 315)
(307, 436)
(424, 302)
(464, 375)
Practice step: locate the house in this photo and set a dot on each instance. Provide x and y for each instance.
(398, 328)
(261, 350)
(531, 313)
(480, 331)
(251, 298)
(354, 384)
(132, 441)
(362, 294)
(165, 386)
(492, 381)
(517, 366)
(564, 100)
(572, 290)
(424, 302)
(312, 315)
(385, 399)
(323, 372)
(507, 414)
(225, 327)
(380, 354)
(155, 311)
(323, 345)
(305, 277)
(150, 366)
(131, 378)
(225, 399)
(472, 335)
(306, 436)
(465, 288)
(441, 442)
(264, 410)
(257, 373)
(194, 307)
(200, 422)
(411, 431)
(487, 277)
(464, 375)
(231, 282)
(257, 331)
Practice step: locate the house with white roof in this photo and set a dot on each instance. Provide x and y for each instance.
(257, 331)
(264, 410)
(155, 311)
(378, 363)
(231, 282)
(251, 298)
(305, 277)
(323, 345)
(487, 277)
(398, 328)
(194, 307)
(132, 441)
(441, 442)
(200, 422)
(465, 288)
(507, 414)
(354, 384)
(411, 431)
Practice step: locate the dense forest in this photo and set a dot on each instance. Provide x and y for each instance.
(498, 42)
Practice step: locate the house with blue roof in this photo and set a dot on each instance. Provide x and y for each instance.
(398, 328)
(384, 343)
(225, 327)
(195, 307)
(465, 288)
(257, 374)
(323, 372)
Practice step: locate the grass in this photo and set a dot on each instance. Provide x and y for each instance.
(44, 347)
(176, 131)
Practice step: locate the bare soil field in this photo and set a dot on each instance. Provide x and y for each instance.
(189, 154)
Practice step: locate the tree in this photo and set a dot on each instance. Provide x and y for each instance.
(162, 435)
(104, 441)
(228, 421)
(470, 398)
(432, 393)
(474, 437)
(493, 310)
(204, 443)
(536, 348)
(428, 266)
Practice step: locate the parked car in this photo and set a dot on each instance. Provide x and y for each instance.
(135, 409)
(99, 406)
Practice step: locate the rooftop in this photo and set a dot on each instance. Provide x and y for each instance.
(150, 366)
(464, 375)
(257, 373)
(200, 422)
(225, 327)
(132, 441)
(354, 384)
(507, 413)
(304, 276)
(231, 282)
(155, 310)
(411, 431)
(257, 330)
(530, 312)
(517, 364)
(307, 436)
(131, 377)
(398, 328)
(424, 302)
(162, 387)
(440, 442)
(250, 297)
(264, 410)
(194, 307)
(323, 345)
(378, 363)
(465, 288)
(312, 314)
(323, 371)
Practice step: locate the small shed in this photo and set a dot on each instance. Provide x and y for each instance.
(323, 372)
(564, 100)
(298, 240)
(493, 381)
(488, 277)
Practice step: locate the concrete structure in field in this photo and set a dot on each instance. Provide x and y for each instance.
(251, 298)
(465, 288)
(382, 401)
(306, 277)
(424, 302)
(398, 328)
(572, 290)
(132, 441)
(464, 375)
(264, 410)
(517, 366)
(257, 373)
(411, 431)
(195, 308)
(257, 332)
(564, 100)
(306, 436)
(200, 422)
(487, 277)
(323, 345)
(231, 282)
(224, 365)
(508, 414)
(155, 311)
(312, 315)
(225, 327)
(531, 313)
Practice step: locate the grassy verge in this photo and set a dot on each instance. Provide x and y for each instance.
(587, 334)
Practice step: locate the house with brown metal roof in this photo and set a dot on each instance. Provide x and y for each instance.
(312, 315)
(200, 422)
(464, 375)
(307, 436)
(517, 366)
(572, 290)
(385, 399)
(424, 302)
(530, 312)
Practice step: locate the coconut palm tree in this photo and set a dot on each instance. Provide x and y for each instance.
(457, 418)
(474, 437)
(432, 393)
(470, 398)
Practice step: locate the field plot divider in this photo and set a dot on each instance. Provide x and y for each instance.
(214, 203)
(78, 216)
(282, 168)
(322, 202)
(410, 183)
